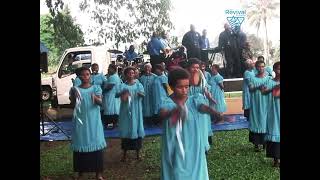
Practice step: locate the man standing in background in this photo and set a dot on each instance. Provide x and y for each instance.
(192, 40)
(204, 45)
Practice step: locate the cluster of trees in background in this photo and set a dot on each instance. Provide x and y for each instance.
(58, 30)
(59, 33)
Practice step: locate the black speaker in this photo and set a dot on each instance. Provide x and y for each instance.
(43, 62)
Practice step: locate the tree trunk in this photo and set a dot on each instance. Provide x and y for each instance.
(266, 45)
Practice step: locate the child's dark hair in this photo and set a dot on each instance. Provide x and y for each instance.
(125, 72)
(202, 63)
(177, 74)
(216, 66)
(83, 68)
(259, 62)
(112, 66)
(193, 61)
(94, 64)
(260, 57)
(159, 66)
(275, 65)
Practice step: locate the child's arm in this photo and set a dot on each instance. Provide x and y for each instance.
(207, 109)
(209, 96)
(108, 87)
(221, 85)
(141, 94)
(265, 90)
(72, 96)
(97, 99)
(164, 113)
(252, 88)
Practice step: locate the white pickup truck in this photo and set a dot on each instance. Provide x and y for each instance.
(56, 87)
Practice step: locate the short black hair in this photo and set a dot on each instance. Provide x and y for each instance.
(125, 72)
(275, 65)
(83, 68)
(113, 66)
(259, 62)
(193, 61)
(216, 66)
(94, 64)
(159, 66)
(177, 74)
(260, 57)
(203, 63)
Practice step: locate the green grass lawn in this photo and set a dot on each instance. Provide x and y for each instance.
(231, 157)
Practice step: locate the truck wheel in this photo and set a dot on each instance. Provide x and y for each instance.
(46, 94)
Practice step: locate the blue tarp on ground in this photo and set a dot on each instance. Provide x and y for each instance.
(56, 134)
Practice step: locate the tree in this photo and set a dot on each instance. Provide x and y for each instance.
(261, 11)
(256, 44)
(59, 32)
(122, 21)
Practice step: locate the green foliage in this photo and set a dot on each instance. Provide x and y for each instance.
(123, 21)
(231, 157)
(256, 44)
(59, 33)
(174, 41)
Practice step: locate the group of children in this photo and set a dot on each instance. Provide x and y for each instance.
(261, 104)
(184, 102)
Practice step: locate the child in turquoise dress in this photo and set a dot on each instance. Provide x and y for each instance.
(87, 138)
(131, 127)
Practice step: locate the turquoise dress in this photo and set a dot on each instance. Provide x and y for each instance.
(207, 75)
(205, 126)
(77, 81)
(147, 102)
(259, 106)
(131, 117)
(218, 93)
(98, 79)
(194, 164)
(159, 93)
(111, 104)
(87, 136)
(245, 89)
(273, 119)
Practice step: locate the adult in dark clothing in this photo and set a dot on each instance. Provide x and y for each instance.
(241, 38)
(229, 46)
(204, 45)
(192, 41)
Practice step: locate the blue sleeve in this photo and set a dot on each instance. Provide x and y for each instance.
(97, 90)
(167, 104)
(77, 82)
(164, 80)
(140, 88)
(219, 79)
(112, 80)
(161, 45)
